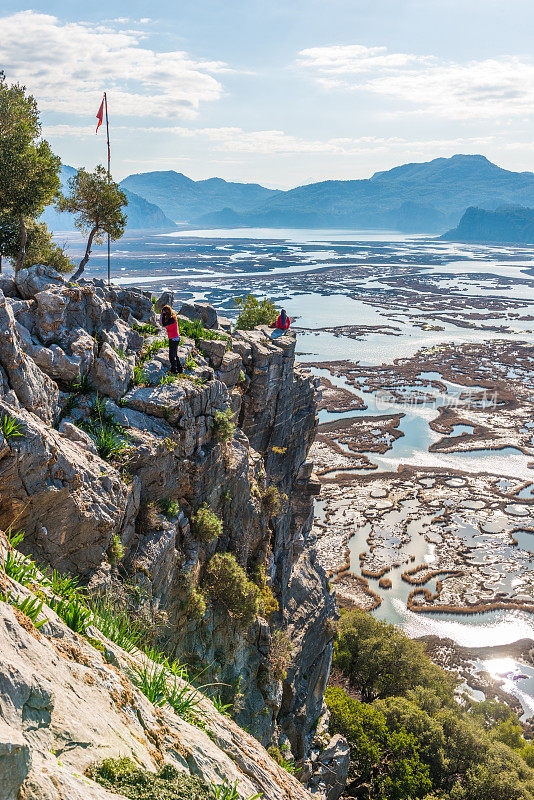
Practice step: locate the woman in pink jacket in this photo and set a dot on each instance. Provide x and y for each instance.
(169, 321)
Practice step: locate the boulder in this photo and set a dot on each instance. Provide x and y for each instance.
(76, 434)
(14, 761)
(165, 299)
(8, 285)
(121, 337)
(331, 769)
(36, 279)
(214, 350)
(34, 390)
(230, 369)
(201, 311)
(111, 374)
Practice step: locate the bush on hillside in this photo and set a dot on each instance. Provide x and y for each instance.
(223, 425)
(380, 660)
(254, 312)
(229, 586)
(206, 524)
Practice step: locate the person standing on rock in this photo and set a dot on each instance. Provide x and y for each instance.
(169, 321)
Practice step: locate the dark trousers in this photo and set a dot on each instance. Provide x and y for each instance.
(173, 355)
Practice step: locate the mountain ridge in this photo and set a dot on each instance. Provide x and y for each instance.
(426, 196)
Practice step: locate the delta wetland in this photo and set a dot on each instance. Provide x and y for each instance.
(423, 350)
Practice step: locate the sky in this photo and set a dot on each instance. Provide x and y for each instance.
(279, 93)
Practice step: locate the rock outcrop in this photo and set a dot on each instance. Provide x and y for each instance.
(106, 441)
(67, 701)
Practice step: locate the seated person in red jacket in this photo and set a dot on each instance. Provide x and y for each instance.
(283, 322)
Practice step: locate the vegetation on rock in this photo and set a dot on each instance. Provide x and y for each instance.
(409, 737)
(206, 524)
(254, 312)
(223, 425)
(228, 585)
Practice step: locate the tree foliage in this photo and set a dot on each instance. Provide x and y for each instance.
(254, 312)
(409, 737)
(97, 203)
(29, 170)
(40, 247)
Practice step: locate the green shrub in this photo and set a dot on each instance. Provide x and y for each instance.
(191, 364)
(63, 585)
(194, 329)
(194, 602)
(254, 312)
(228, 791)
(145, 330)
(124, 777)
(279, 654)
(73, 612)
(229, 586)
(170, 508)
(151, 679)
(10, 428)
(206, 524)
(386, 762)
(109, 442)
(83, 386)
(139, 375)
(116, 550)
(282, 759)
(380, 660)
(223, 425)
(29, 606)
(273, 501)
(116, 624)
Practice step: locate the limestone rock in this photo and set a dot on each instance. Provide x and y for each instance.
(33, 388)
(65, 707)
(68, 501)
(214, 350)
(76, 434)
(201, 311)
(111, 374)
(165, 299)
(331, 769)
(8, 285)
(14, 761)
(36, 279)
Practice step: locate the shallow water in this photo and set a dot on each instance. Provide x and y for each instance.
(294, 268)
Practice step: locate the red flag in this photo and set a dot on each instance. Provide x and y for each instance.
(100, 115)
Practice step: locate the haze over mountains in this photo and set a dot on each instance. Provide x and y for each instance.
(423, 197)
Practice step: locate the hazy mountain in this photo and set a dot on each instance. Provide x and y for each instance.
(426, 197)
(183, 199)
(142, 215)
(511, 224)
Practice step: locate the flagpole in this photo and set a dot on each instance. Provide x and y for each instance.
(109, 177)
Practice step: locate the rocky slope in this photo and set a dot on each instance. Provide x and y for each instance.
(61, 344)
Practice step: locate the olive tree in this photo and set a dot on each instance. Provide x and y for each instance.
(97, 203)
(29, 170)
(39, 248)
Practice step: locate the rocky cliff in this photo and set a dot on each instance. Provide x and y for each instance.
(110, 460)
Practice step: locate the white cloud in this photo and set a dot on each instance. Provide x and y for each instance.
(490, 88)
(275, 142)
(67, 67)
